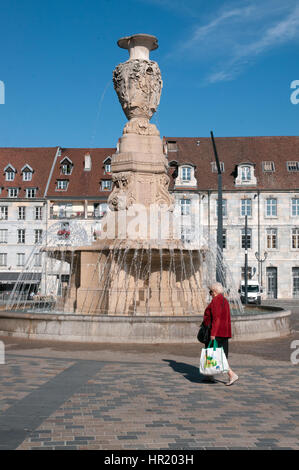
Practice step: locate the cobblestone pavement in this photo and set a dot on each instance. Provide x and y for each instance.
(114, 397)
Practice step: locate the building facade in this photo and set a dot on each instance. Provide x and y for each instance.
(56, 190)
(260, 178)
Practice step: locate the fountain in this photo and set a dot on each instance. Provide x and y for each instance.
(138, 281)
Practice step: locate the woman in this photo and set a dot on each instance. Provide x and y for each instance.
(221, 324)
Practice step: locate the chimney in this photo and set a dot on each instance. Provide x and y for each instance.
(87, 162)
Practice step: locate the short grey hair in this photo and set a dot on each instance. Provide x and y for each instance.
(217, 287)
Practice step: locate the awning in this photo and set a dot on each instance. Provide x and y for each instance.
(23, 278)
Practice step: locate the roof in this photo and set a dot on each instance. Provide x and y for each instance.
(38, 158)
(234, 151)
(82, 183)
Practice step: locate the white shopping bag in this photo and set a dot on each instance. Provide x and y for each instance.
(213, 360)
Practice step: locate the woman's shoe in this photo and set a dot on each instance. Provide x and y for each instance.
(232, 380)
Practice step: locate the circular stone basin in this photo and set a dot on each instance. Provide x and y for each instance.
(256, 323)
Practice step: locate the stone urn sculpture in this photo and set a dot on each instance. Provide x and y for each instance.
(138, 83)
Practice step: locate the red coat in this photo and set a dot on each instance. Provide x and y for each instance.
(221, 325)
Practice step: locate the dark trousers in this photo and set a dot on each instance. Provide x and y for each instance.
(222, 343)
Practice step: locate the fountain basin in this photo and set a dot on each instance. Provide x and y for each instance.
(273, 323)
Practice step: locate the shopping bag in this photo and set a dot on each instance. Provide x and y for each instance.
(213, 360)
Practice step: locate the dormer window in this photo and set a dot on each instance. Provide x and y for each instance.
(185, 176)
(172, 146)
(13, 192)
(106, 185)
(10, 172)
(27, 172)
(245, 175)
(62, 185)
(107, 165)
(66, 166)
(31, 192)
(186, 173)
(215, 169)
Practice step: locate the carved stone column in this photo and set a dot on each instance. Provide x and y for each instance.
(140, 166)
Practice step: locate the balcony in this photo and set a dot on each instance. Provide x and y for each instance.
(96, 214)
(67, 215)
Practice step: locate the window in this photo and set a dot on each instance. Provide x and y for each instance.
(215, 169)
(3, 259)
(224, 207)
(293, 166)
(249, 272)
(295, 206)
(187, 234)
(224, 237)
(271, 207)
(295, 275)
(106, 185)
(3, 212)
(38, 213)
(172, 146)
(37, 259)
(38, 236)
(21, 235)
(30, 192)
(27, 175)
(107, 165)
(185, 206)
(21, 212)
(295, 238)
(62, 185)
(13, 192)
(66, 166)
(272, 238)
(249, 237)
(21, 259)
(3, 235)
(246, 207)
(245, 173)
(186, 173)
(268, 167)
(9, 174)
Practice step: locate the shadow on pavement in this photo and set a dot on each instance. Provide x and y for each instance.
(189, 372)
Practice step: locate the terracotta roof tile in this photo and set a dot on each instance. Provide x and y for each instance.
(81, 183)
(235, 150)
(39, 159)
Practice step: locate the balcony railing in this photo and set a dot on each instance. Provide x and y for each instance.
(67, 215)
(77, 215)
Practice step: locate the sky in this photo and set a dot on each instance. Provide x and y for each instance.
(227, 66)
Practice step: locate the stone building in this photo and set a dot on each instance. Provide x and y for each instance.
(24, 173)
(44, 190)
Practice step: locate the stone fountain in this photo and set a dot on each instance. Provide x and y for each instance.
(140, 268)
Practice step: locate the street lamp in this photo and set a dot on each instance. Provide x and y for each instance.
(219, 267)
(260, 261)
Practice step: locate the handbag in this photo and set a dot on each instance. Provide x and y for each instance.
(204, 332)
(213, 360)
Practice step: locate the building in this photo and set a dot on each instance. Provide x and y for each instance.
(58, 190)
(261, 180)
(41, 191)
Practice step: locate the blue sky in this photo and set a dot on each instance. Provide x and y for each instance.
(227, 66)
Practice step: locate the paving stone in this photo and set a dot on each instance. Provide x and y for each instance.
(142, 402)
